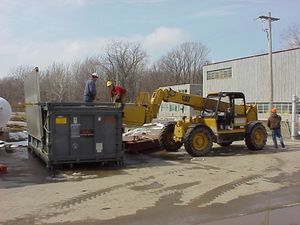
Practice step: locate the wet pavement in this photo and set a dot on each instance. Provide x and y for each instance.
(285, 216)
(266, 207)
(23, 169)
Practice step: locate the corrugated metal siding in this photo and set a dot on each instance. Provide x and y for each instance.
(195, 89)
(251, 76)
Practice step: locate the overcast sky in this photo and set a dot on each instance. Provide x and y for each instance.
(39, 32)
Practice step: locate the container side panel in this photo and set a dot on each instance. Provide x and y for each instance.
(33, 110)
(84, 134)
(87, 136)
(61, 133)
(108, 134)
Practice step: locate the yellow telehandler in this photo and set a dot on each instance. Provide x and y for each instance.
(224, 117)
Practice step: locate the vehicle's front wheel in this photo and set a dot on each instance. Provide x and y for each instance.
(198, 141)
(166, 139)
(257, 137)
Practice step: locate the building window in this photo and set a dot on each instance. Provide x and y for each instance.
(283, 108)
(176, 108)
(263, 107)
(219, 74)
(171, 107)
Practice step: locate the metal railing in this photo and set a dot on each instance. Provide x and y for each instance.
(295, 113)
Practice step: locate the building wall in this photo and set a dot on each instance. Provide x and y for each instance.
(174, 110)
(251, 76)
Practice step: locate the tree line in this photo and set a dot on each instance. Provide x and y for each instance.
(126, 63)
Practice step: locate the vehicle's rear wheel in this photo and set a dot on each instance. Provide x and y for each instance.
(257, 137)
(166, 139)
(198, 141)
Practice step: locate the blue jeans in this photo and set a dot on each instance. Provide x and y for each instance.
(277, 133)
(87, 99)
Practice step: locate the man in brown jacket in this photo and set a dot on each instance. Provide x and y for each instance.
(274, 124)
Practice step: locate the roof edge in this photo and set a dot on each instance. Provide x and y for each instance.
(252, 56)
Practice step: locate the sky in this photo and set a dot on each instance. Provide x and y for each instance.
(40, 32)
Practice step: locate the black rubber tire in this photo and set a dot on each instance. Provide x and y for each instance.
(201, 136)
(166, 140)
(225, 144)
(256, 139)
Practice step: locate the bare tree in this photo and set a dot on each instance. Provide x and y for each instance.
(291, 37)
(154, 78)
(81, 72)
(122, 61)
(55, 82)
(125, 61)
(6, 85)
(184, 63)
(12, 86)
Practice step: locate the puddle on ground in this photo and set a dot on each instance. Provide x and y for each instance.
(283, 216)
(81, 173)
(26, 169)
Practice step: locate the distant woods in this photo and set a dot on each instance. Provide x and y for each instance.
(126, 63)
(291, 37)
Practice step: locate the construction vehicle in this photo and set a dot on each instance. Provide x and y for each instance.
(224, 117)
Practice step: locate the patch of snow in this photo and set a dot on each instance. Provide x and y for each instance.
(19, 139)
(17, 136)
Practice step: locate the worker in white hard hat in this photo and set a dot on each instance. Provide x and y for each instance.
(117, 93)
(90, 90)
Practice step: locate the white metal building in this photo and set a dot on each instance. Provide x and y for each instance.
(251, 76)
(173, 110)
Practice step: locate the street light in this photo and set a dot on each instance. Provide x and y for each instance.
(269, 36)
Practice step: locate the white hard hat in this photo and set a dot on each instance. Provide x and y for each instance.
(95, 75)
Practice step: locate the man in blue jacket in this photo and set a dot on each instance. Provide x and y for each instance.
(90, 91)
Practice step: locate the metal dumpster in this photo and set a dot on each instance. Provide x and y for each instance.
(68, 133)
(74, 133)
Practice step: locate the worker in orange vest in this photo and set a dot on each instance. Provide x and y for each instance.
(274, 124)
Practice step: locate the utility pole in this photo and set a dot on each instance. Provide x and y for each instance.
(270, 19)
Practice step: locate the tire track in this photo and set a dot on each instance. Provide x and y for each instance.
(147, 185)
(65, 206)
(101, 192)
(174, 189)
(91, 195)
(278, 166)
(215, 193)
(139, 183)
(177, 188)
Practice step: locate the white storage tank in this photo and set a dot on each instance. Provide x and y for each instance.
(5, 112)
